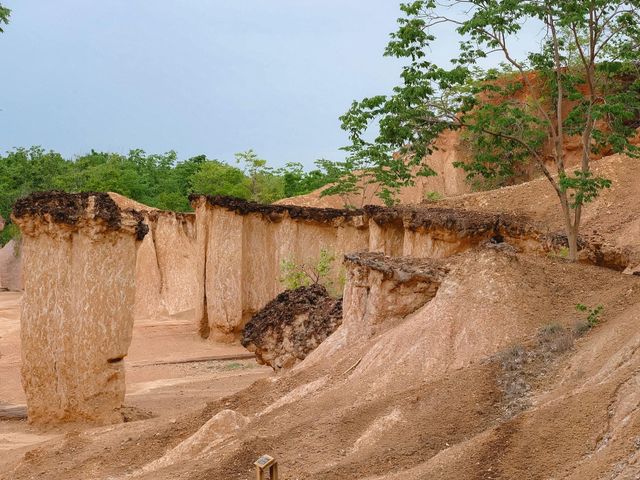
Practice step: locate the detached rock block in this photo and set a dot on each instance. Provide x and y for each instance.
(79, 257)
(292, 325)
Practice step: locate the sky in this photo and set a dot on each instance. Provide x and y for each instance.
(211, 77)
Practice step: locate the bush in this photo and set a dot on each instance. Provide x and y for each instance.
(554, 339)
(433, 196)
(562, 252)
(593, 318)
(294, 275)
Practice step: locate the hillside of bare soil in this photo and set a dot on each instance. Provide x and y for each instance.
(486, 380)
(613, 218)
(448, 181)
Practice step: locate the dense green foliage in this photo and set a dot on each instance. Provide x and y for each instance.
(160, 180)
(583, 81)
(5, 13)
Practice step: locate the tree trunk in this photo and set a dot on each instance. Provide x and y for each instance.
(572, 238)
(571, 226)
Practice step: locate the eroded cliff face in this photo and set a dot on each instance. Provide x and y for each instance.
(166, 265)
(241, 246)
(79, 257)
(381, 291)
(166, 262)
(10, 269)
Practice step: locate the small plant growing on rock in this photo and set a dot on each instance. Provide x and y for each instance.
(432, 197)
(593, 318)
(294, 275)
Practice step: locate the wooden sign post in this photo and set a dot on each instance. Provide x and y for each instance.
(264, 462)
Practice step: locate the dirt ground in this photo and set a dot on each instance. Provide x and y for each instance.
(169, 370)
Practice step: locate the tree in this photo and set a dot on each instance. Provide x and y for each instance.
(157, 180)
(297, 181)
(5, 13)
(23, 171)
(584, 81)
(264, 184)
(217, 178)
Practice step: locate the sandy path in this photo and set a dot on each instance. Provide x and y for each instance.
(10, 388)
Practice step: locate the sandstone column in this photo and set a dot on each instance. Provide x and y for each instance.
(219, 270)
(79, 259)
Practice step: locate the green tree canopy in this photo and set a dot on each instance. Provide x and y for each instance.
(5, 13)
(158, 180)
(583, 81)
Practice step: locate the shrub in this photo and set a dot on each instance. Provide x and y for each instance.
(554, 339)
(295, 275)
(562, 252)
(593, 318)
(433, 196)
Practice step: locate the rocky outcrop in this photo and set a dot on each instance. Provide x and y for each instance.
(381, 290)
(10, 269)
(241, 246)
(79, 257)
(165, 280)
(292, 325)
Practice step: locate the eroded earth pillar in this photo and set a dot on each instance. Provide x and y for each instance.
(79, 257)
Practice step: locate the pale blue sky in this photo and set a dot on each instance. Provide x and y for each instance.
(196, 76)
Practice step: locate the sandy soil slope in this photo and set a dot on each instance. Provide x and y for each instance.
(614, 216)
